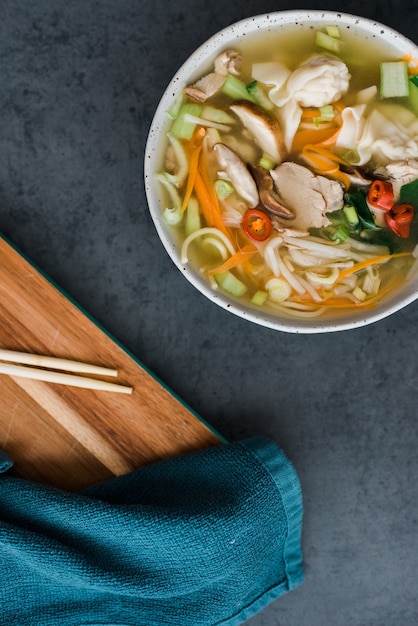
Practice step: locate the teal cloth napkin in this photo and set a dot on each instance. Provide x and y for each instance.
(204, 539)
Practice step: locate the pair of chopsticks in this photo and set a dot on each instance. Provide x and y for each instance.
(33, 366)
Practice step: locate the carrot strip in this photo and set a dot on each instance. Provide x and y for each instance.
(332, 133)
(319, 153)
(308, 136)
(204, 172)
(322, 151)
(313, 112)
(206, 194)
(369, 262)
(236, 259)
(210, 210)
(195, 148)
(310, 114)
(204, 199)
(325, 162)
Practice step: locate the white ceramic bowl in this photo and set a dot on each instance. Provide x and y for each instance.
(199, 63)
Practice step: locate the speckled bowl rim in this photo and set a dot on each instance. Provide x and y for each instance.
(199, 62)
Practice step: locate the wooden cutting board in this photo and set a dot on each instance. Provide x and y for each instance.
(71, 437)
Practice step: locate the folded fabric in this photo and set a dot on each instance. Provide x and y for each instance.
(204, 539)
(5, 462)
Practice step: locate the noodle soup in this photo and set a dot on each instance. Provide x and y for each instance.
(286, 174)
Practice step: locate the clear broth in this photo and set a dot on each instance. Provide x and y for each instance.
(362, 54)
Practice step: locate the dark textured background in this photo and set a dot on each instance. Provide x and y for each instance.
(80, 81)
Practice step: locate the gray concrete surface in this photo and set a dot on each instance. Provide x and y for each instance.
(79, 85)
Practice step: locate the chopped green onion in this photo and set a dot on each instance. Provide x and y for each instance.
(174, 109)
(235, 89)
(192, 217)
(357, 198)
(413, 95)
(327, 111)
(325, 41)
(333, 31)
(230, 283)
(260, 97)
(414, 80)
(172, 215)
(181, 128)
(278, 289)
(326, 114)
(394, 82)
(351, 214)
(217, 115)
(266, 162)
(340, 234)
(223, 189)
(259, 297)
(351, 156)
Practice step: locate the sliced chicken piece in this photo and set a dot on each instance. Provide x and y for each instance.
(310, 197)
(264, 128)
(330, 190)
(237, 173)
(205, 87)
(228, 62)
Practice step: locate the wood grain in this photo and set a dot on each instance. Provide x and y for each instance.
(71, 437)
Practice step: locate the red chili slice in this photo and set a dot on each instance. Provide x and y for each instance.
(399, 219)
(381, 195)
(256, 224)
